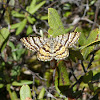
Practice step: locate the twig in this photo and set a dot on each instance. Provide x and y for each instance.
(36, 74)
(49, 94)
(25, 11)
(34, 96)
(74, 76)
(88, 20)
(31, 14)
(91, 60)
(96, 14)
(83, 67)
(54, 2)
(77, 82)
(81, 93)
(87, 8)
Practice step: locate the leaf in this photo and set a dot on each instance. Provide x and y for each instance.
(48, 76)
(16, 14)
(33, 3)
(31, 6)
(96, 77)
(15, 71)
(21, 27)
(75, 54)
(29, 30)
(34, 7)
(69, 29)
(61, 77)
(25, 92)
(44, 17)
(13, 48)
(30, 20)
(4, 33)
(1, 85)
(19, 53)
(22, 82)
(86, 51)
(82, 37)
(88, 77)
(92, 38)
(55, 23)
(13, 26)
(63, 74)
(91, 44)
(11, 45)
(41, 94)
(13, 95)
(91, 86)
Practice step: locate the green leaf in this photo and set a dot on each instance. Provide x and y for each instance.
(11, 45)
(25, 92)
(75, 54)
(63, 74)
(4, 33)
(15, 71)
(69, 29)
(41, 94)
(61, 77)
(13, 26)
(22, 82)
(33, 3)
(30, 20)
(82, 37)
(34, 7)
(3, 46)
(21, 26)
(19, 52)
(86, 51)
(29, 30)
(91, 44)
(92, 37)
(91, 86)
(55, 23)
(44, 17)
(96, 77)
(88, 77)
(1, 85)
(67, 13)
(48, 76)
(13, 95)
(16, 14)
(13, 48)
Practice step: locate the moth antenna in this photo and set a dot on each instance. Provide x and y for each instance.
(38, 33)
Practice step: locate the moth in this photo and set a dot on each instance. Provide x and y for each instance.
(51, 48)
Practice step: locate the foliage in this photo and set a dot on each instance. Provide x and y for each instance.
(23, 77)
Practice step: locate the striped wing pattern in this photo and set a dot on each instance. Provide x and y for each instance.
(51, 48)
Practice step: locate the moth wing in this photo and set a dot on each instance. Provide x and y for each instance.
(70, 39)
(33, 43)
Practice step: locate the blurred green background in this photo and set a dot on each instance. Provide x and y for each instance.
(23, 77)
